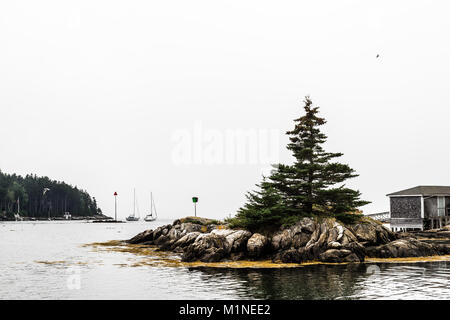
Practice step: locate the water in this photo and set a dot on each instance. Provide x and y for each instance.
(47, 260)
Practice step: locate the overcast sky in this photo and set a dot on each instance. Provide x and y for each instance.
(110, 95)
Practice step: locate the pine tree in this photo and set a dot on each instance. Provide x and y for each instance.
(314, 175)
(308, 187)
(264, 207)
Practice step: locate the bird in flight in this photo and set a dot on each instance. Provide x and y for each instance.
(378, 55)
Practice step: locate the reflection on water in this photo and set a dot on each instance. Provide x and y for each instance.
(388, 281)
(48, 260)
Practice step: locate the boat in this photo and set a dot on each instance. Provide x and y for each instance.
(150, 217)
(133, 217)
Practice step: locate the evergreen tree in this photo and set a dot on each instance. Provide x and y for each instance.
(264, 207)
(34, 203)
(308, 187)
(314, 174)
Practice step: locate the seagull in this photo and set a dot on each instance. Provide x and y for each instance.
(378, 55)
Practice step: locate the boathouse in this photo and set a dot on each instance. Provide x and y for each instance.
(422, 207)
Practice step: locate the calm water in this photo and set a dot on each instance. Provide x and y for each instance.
(47, 260)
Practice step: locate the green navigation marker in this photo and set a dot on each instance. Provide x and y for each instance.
(195, 200)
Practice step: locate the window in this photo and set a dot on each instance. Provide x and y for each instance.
(441, 206)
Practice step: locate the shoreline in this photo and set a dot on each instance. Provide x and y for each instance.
(78, 218)
(154, 258)
(195, 242)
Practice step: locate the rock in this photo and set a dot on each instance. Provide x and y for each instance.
(276, 241)
(401, 235)
(223, 232)
(256, 245)
(307, 240)
(142, 237)
(308, 225)
(324, 234)
(286, 239)
(338, 256)
(352, 258)
(348, 237)
(162, 239)
(296, 236)
(371, 233)
(161, 230)
(282, 240)
(213, 255)
(300, 240)
(364, 232)
(190, 227)
(329, 235)
(434, 234)
(186, 240)
(443, 248)
(340, 230)
(314, 237)
(334, 255)
(291, 256)
(174, 234)
(238, 256)
(210, 227)
(238, 240)
(208, 248)
(178, 250)
(165, 244)
(403, 248)
(334, 233)
(357, 249)
(334, 245)
(318, 242)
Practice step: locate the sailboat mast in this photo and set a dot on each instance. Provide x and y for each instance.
(134, 202)
(151, 203)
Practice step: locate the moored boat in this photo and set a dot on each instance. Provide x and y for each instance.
(151, 217)
(133, 217)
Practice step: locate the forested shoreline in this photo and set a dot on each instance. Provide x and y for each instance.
(41, 197)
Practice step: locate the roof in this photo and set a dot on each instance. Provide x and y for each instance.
(377, 214)
(424, 191)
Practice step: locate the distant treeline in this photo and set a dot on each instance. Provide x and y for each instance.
(40, 197)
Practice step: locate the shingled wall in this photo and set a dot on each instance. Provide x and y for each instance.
(406, 207)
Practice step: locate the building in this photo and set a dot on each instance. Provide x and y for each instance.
(383, 217)
(422, 207)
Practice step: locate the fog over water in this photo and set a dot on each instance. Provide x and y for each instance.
(113, 95)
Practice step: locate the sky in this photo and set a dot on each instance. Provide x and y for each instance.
(193, 98)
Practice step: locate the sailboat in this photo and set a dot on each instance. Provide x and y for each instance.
(151, 217)
(133, 216)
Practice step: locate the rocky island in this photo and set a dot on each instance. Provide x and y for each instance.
(308, 240)
(301, 212)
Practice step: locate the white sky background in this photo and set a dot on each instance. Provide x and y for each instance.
(92, 92)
